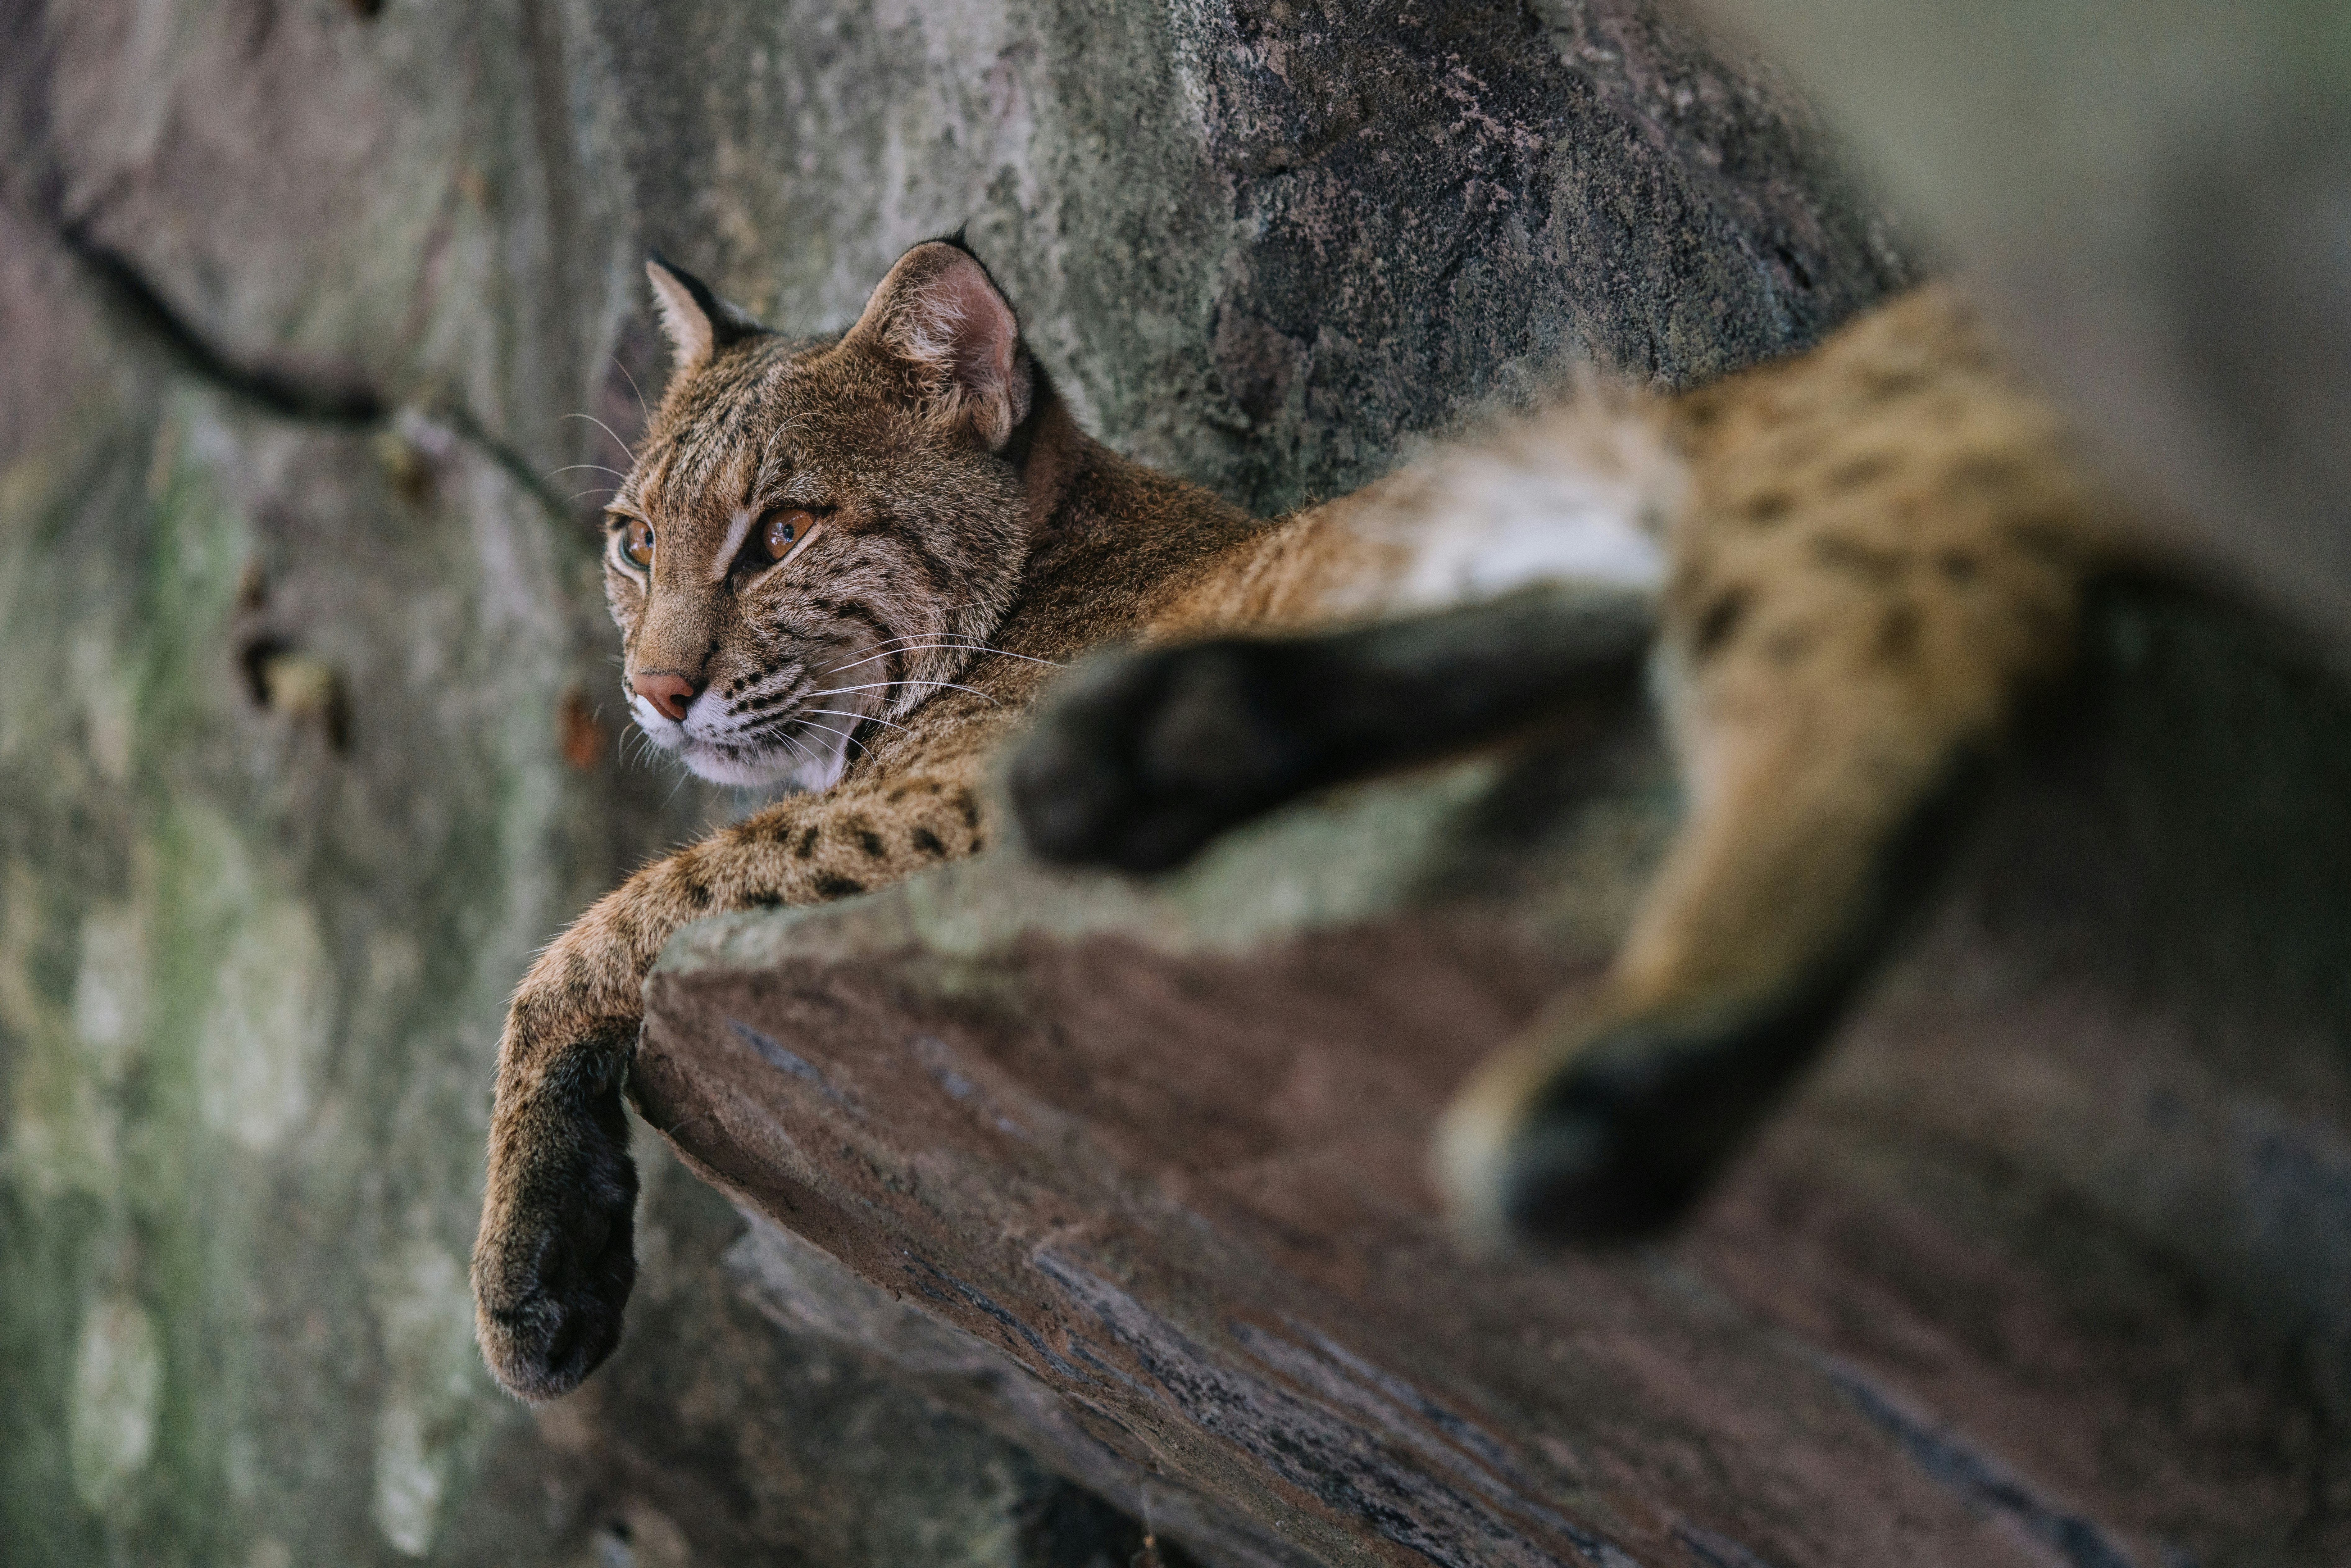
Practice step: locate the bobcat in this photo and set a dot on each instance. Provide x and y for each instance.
(851, 564)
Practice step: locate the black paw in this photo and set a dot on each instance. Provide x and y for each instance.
(1583, 1170)
(1143, 760)
(557, 1257)
(1614, 1144)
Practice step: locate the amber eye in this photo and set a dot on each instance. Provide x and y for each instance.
(637, 541)
(781, 529)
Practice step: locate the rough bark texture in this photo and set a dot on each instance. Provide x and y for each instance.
(302, 742)
(2048, 1266)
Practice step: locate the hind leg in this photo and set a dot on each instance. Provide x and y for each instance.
(1814, 828)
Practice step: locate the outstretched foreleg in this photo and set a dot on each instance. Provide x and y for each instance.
(1141, 759)
(555, 1261)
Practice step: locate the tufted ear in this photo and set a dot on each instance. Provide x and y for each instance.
(940, 312)
(696, 321)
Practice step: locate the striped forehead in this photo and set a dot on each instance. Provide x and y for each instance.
(698, 475)
(736, 440)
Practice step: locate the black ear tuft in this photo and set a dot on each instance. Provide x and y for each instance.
(696, 321)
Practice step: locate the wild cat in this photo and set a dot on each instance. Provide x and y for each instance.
(852, 563)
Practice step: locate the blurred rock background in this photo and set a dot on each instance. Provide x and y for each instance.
(2155, 199)
(322, 325)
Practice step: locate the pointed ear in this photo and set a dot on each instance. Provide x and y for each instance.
(697, 322)
(939, 312)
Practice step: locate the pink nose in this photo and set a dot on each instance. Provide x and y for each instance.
(667, 691)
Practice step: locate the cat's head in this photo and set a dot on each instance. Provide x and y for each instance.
(817, 532)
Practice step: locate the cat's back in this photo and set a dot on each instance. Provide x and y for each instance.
(1897, 504)
(1580, 493)
(1897, 487)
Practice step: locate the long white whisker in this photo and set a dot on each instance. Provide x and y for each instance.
(606, 429)
(960, 647)
(567, 468)
(591, 490)
(944, 610)
(805, 755)
(633, 387)
(941, 639)
(909, 681)
(930, 637)
(844, 734)
(914, 645)
(637, 748)
(921, 636)
(844, 713)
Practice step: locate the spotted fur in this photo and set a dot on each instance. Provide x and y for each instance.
(1885, 548)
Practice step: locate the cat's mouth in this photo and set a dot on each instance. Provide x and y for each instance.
(803, 750)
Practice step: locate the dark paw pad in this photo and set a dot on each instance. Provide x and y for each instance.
(1622, 1141)
(1583, 1178)
(1144, 759)
(551, 1281)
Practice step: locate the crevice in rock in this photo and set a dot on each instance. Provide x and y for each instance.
(347, 402)
(1953, 1463)
(462, 422)
(138, 301)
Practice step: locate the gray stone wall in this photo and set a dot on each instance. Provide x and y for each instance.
(2156, 198)
(307, 739)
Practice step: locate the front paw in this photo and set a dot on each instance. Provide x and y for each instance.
(556, 1258)
(1143, 760)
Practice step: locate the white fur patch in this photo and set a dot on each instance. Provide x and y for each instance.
(737, 527)
(1579, 494)
(1517, 524)
(712, 747)
(934, 325)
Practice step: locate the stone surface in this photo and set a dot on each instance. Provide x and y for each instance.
(2157, 198)
(2048, 1265)
(307, 743)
